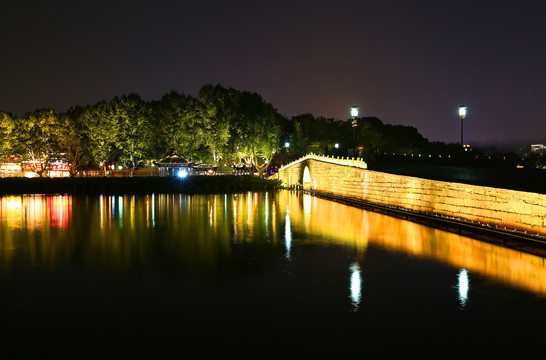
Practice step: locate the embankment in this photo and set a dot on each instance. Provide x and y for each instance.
(507, 209)
(135, 185)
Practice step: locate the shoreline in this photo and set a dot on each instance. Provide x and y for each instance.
(195, 184)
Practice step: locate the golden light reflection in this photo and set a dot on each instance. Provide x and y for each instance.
(329, 220)
(123, 230)
(357, 228)
(33, 212)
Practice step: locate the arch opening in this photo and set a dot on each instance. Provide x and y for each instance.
(306, 178)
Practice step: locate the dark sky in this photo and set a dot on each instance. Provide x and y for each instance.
(406, 62)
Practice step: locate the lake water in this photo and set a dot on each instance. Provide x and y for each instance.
(255, 275)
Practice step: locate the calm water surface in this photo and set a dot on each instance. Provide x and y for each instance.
(259, 275)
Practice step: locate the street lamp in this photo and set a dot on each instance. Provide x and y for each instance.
(354, 124)
(462, 115)
(354, 111)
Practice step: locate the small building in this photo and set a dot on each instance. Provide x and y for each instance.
(538, 148)
(10, 169)
(203, 169)
(173, 164)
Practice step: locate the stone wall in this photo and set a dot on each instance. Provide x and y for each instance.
(510, 209)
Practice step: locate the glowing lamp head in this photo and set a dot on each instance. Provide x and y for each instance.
(182, 173)
(286, 144)
(462, 112)
(336, 146)
(354, 111)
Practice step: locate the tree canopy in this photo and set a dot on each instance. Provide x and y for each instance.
(220, 126)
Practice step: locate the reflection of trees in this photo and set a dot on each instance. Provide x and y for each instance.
(217, 233)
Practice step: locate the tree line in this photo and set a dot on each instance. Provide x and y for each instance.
(218, 126)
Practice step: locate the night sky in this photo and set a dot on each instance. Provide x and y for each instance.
(405, 62)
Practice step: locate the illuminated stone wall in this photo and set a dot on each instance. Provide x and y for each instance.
(512, 209)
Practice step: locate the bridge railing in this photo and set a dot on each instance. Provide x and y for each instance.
(354, 162)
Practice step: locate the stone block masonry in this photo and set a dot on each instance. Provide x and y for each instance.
(502, 208)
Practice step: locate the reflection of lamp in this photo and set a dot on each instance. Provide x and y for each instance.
(463, 286)
(356, 285)
(462, 115)
(287, 234)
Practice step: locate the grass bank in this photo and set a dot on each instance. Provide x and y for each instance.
(135, 185)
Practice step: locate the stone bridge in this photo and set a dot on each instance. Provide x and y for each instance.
(349, 178)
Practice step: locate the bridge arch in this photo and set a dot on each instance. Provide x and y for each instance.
(306, 178)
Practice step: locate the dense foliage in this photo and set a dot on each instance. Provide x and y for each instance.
(220, 126)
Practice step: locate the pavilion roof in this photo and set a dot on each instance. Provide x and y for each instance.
(174, 160)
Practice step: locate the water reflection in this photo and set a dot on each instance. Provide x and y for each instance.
(200, 231)
(287, 234)
(356, 285)
(35, 211)
(463, 286)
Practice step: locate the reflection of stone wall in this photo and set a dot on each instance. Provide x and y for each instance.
(505, 208)
(357, 228)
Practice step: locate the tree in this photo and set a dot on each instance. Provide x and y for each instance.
(73, 141)
(317, 135)
(171, 116)
(100, 131)
(37, 136)
(7, 144)
(258, 128)
(302, 137)
(216, 109)
(131, 118)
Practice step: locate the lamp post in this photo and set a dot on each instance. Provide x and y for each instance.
(354, 124)
(462, 115)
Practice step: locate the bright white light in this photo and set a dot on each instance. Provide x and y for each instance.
(30, 175)
(463, 286)
(287, 144)
(356, 285)
(354, 111)
(120, 167)
(182, 174)
(336, 145)
(287, 234)
(462, 111)
(306, 175)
